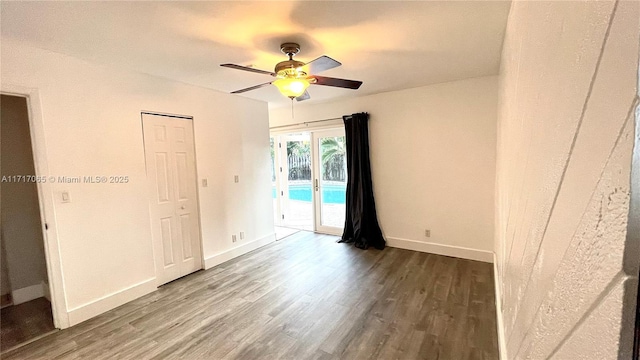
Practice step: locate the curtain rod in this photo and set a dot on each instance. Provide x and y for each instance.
(306, 123)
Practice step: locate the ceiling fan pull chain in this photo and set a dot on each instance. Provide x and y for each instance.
(292, 108)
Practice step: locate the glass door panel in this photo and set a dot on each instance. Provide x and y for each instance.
(296, 188)
(330, 182)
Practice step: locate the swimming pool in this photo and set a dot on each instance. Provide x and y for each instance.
(331, 194)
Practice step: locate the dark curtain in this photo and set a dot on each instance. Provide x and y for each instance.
(361, 223)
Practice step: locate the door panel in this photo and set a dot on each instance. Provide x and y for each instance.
(330, 181)
(167, 241)
(171, 173)
(162, 181)
(296, 194)
(185, 222)
(181, 161)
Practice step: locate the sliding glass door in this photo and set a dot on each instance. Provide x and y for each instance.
(309, 180)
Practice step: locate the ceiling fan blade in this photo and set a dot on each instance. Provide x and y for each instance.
(304, 96)
(320, 64)
(341, 83)
(251, 88)
(246, 68)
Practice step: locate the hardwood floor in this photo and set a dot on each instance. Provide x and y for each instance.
(304, 297)
(23, 322)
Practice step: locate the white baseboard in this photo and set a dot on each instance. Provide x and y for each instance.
(28, 293)
(227, 255)
(502, 344)
(441, 249)
(111, 301)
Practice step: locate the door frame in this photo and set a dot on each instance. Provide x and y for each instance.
(317, 174)
(195, 159)
(276, 171)
(46, 202)
(279, 136)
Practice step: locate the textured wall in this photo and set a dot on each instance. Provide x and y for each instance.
(568, 90)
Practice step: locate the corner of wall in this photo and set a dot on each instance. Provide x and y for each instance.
(502, 343)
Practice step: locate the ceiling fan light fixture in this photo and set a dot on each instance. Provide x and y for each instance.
(293, 77)
(291, 87)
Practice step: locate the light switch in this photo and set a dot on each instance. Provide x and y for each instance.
(65, 197)
(236, 178)
(205, 183)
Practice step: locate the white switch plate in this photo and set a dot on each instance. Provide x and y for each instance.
(233, 238)
(205, 183)
(427, 233)
(241, 235)
(236, 178)
(65, 197)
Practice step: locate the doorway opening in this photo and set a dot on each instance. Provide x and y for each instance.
(309, 180)
(26, 310)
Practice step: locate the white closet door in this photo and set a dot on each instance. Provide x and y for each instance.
(171, 174)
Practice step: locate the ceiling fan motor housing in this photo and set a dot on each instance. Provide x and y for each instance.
(290, 68)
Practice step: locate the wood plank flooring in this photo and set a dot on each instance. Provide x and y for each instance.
(304, 297)
(23, 322)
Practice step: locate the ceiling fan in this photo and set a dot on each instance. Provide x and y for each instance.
(293, 77)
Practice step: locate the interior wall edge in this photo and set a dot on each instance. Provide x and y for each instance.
(631, 260)
(502, 343)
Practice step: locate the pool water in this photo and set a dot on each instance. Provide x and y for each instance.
(331, 194)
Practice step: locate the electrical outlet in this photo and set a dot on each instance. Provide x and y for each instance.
(427, 233)
(205, 183)
(241, 235)
(236, 178)
(233, 238)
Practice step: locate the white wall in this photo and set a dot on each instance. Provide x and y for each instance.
(565, 137)
(432, 159)
(92, 126)
(20, 227)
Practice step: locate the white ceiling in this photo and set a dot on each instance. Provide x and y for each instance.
(389, 45)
